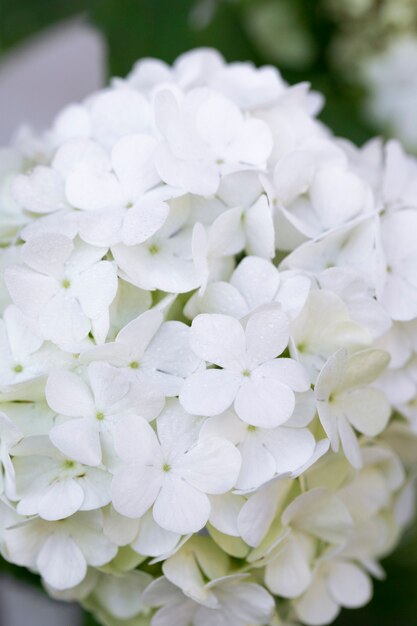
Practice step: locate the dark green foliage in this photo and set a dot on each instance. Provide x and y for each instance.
(20, 19)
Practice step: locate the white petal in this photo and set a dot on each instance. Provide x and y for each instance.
(180, 507)
(47, 253)
(291, 447)
(267, 335)
(152, 540)
(319, 513)
(293, 175)
(226, 235)
(78, 439)
(332, 375)
(61, 562)
(264, 402)
(349, 585)
(108, 385)
(257, 280)
(349, 442)
(364, 367)
(91, 187)
(169, 355)
(29, 290)
(259, 227)
(121, 596)
(337, 195)
(212, 466)
(135, 440)
(135, 488)
(95, 288)
(41, 191)
(247, 601)
(199, 177)
(139, 332)
(316, 607)
(133, 161)
(96, 488)
(62, 499)
(253, 143)
(119, 112)
(218, 339)
(23, 336)
(259, 511)
(224, 513)
(258, 464)
(142, 222)
(87, 529)
(63, 322)
(165, 271)
(286, 371)
(289, 574)
(68, 394)
(210, 392)
(368, 410)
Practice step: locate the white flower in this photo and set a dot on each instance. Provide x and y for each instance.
(67, 288)
(316, 192)
(206, 136)
(323, 326)
(317, 515)
(94, 410)
(254, 283)
(346, 401)
(260, 386)
(22, 350)
(60, 551)
(55, 487)
(115, 113)
(265, 451)
(350, 286)
(336, 584)
(164, 261)
(234, 602)
(116, 598)
(171, 472)
(150, 351)
(143, 535)
(40, 191)
(119, 197)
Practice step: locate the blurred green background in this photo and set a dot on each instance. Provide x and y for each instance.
(297, 36)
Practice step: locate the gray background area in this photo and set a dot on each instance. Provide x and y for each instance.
(37, 79)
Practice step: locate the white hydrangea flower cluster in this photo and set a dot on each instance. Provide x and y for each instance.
(208, 351)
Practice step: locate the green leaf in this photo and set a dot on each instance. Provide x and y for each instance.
(165, 29)
(22, 18)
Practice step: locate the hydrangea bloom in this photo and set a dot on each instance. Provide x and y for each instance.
(208, 391)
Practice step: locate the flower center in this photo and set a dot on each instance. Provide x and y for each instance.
(153, 249)
(251, 428)
(100, 416)
(246, 373)
(134, 365)
(166, 468)
(18, 368)
(68, 464)
(66, 283)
